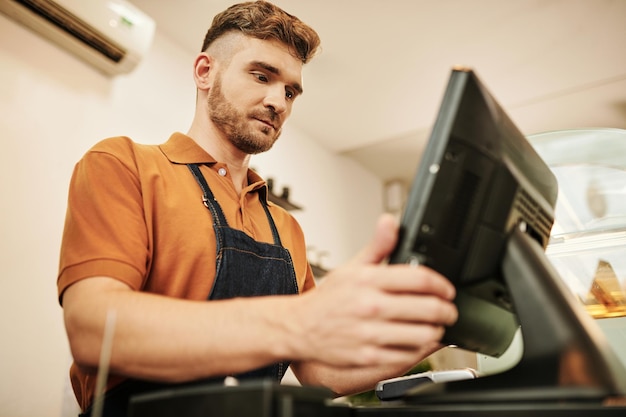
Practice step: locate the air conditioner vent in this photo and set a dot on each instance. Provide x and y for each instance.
(69, 23)
(111, 35)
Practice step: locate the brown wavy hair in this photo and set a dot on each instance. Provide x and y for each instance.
(263, 20)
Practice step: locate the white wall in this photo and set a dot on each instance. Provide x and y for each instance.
(53, 108)
(340, 200)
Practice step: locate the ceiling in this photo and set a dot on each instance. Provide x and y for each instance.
(374, 91)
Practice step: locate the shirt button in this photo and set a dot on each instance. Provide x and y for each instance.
(222, 172)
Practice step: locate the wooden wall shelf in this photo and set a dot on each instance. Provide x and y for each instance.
(283, 202)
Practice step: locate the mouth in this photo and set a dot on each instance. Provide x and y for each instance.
(266, 122)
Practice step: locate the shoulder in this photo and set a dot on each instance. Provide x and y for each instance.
(120, 145)
(285, 221)
(292, 237)
(120, 150)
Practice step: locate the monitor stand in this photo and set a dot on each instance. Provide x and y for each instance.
(566, 357)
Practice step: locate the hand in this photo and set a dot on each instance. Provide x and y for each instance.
(367, 313)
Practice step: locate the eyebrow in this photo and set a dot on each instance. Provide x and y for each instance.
(276, 71)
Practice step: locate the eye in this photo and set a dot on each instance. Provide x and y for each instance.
(290, 94)
(261, 77)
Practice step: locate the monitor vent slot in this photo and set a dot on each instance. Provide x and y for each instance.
(535, 217)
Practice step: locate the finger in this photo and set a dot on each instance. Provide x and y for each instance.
(401, 278)
(402, 334)
(398, 340)
(382, 243)
(406, 307)
(421, 309)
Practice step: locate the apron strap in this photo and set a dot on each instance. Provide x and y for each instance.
(208, 197)
(269, 217)
(218, 215)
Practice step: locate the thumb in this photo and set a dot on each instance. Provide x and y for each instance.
(382, 243)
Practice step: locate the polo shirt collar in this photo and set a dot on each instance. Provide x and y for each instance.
(181, 149)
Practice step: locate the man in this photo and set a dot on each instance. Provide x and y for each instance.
(153, 232)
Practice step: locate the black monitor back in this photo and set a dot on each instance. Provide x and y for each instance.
(478, 179)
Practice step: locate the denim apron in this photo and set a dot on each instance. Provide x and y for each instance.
(244, 268)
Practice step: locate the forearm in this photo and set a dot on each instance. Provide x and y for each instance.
(167, 339)
(372, 321)
(352, 380)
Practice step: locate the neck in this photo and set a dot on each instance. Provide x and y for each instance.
(220, 148)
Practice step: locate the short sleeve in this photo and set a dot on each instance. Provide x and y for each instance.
(105, 229)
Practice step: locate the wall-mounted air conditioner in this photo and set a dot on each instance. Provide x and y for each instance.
(112, 35)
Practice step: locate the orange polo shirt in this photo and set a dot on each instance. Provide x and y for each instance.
(135, 213)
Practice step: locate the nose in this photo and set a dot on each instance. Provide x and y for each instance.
(276, 100)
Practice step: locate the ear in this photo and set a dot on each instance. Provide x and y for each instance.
(203, 71)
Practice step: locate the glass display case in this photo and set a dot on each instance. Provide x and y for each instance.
(588, 240)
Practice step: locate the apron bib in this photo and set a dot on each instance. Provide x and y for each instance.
(247, 268)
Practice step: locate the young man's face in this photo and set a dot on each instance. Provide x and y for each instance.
(252, 97)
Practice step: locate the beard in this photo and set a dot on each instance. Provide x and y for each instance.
(235, 124)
